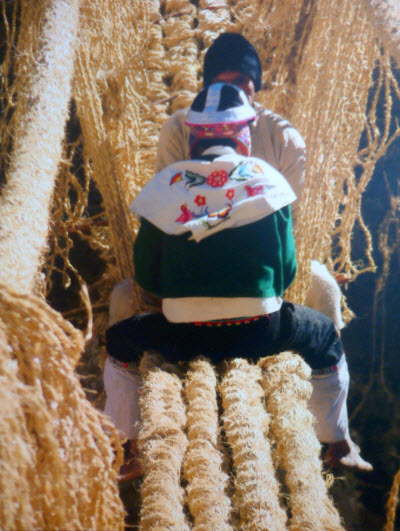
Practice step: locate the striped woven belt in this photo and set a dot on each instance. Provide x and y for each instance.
(230, 322)
(329, 370)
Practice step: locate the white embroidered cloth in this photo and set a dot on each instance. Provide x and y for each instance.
(205, 197)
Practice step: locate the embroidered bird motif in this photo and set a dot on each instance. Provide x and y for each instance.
(221, 214)
(256, 168)
(176, 178)
(185, 216)
(254, 190)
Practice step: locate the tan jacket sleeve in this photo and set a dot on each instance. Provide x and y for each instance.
(173, 143)
(277, 142)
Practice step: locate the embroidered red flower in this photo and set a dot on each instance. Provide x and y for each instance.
(254, 190)
(230, 193)
(185, 216)
(217, 178)
(200, 200)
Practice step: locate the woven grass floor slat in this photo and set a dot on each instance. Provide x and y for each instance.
(261, 445)
(287, 389)
(246, 426)
(203, 467)
(162, 443)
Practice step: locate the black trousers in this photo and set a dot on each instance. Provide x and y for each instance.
(303, 330)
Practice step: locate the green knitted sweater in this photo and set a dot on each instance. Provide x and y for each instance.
(254, 260)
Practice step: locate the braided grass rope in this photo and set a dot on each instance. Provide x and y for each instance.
(154, 107)
(256, 487)
(341, 119)
(25, 201)
(56, 450)
(58, 469)
(203, 466)
(182, 50)
(107, 105)
(21, 35)
(287, 390)
(392, 503)
(269, 433)
(162, 443)
(214, 17)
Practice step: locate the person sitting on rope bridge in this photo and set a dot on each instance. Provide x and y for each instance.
(216, 246)
(233, 59)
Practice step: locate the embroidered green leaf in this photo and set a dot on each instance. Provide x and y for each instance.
(240, 172)
(194, 179)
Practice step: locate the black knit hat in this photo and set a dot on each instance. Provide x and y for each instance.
(232, 52)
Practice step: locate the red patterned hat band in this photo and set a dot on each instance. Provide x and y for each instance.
(242, 138)
(243, 142)
(222, 130)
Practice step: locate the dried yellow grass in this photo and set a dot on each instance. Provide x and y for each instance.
(181, 50)
(113, 45)
(287, 390)
(16, 456)
(98, 96)
(154, 106)
(392, 503)
(121, 103)
(207, 483)
(246, 426)
(162, 443)
(214, 17)
(250, 433)
(329, 110)
(56, 451)
(58, 469)
(25, 201)
(22, 43)
(281, 39)
(385, 18)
